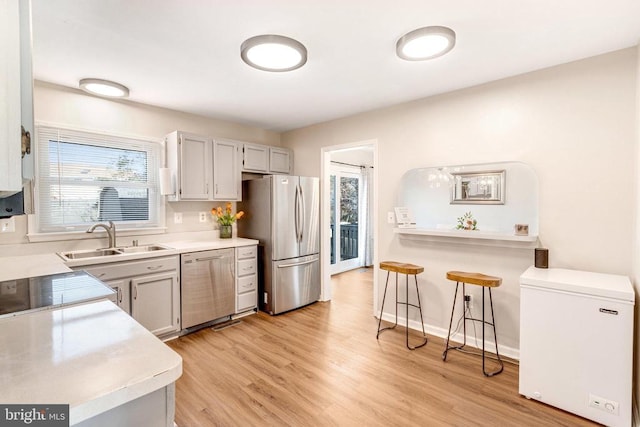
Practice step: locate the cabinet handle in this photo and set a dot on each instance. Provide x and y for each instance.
(135, 291)
(120, 295)
(154, 268)
(101, 274)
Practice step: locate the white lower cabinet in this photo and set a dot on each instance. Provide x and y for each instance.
(246, 278)
(155, 302)
(148, 289)
(123, 293)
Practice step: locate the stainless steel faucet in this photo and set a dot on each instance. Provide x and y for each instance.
(111, 231)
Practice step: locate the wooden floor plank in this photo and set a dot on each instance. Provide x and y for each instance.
(322, 366)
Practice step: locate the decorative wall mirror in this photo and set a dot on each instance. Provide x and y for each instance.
(478, 188)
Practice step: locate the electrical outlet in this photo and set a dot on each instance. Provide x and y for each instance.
(177, 218)
(202, 216)
(391, 217)
(603, 404)
(468, 301)
(8, 225)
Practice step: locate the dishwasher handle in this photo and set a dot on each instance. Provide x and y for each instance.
(211, 258)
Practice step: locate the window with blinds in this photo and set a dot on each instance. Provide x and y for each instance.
(85, 178)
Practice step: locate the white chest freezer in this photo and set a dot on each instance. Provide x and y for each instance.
(576, 342)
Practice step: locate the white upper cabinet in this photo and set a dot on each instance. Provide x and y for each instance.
(264, 159)
(280, 160)
(189, 157)
(227, 177)
(256, 158)
(203, 168)
(10, 105)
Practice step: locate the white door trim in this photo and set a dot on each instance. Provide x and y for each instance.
(325, 240)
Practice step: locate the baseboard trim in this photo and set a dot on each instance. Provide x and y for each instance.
(510, 352)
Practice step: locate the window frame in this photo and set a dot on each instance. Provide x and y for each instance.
(39, 228)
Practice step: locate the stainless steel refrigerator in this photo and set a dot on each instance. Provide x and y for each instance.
(283, 213)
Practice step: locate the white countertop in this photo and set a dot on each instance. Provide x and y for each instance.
(18, 267)
(173, 248)
(185, 246)
(93, 357)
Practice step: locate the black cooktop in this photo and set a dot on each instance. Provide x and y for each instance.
(55, 290)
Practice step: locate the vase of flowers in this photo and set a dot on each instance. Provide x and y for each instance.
(225, 219)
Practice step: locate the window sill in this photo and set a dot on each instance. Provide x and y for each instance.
(82, 235)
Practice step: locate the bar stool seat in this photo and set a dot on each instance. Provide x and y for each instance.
(486, 282)
(408, 270)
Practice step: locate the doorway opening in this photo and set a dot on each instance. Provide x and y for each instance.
(349, 200)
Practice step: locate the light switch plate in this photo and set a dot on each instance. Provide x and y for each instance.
(8, 225)
(177, 218)
(391, 217)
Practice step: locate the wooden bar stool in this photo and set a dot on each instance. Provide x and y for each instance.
(406, 269)
(487, 282)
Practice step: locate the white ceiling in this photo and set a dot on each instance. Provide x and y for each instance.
(185, 55)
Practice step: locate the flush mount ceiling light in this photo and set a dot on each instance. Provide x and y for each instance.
(425, 43)
(271, 52)
(104, 88)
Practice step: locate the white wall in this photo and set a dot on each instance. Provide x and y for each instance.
(574, 124)
(63, 106)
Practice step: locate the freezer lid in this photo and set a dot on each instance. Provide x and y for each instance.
(581, 282)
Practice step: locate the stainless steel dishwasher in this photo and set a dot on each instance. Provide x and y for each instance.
(208, 286)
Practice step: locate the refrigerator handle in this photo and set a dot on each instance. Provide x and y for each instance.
(296, 214)
(303, 214)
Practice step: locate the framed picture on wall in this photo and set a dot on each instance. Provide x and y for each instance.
(478, 188)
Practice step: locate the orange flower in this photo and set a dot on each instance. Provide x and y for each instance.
(223, 216)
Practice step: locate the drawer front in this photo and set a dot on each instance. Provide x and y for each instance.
(247, 252)
(119, 270)
(247, 301)
(247, 267)
(247, 283)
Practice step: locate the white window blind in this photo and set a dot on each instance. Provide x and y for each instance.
(85, 178)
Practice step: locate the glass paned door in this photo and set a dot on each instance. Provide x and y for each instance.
(345, 213)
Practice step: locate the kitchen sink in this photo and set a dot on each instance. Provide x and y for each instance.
(145, 248)
(98, 253)
(90, 254)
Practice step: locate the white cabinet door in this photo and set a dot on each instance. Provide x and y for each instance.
(227, 176)
(195, 167)
(155, 302)
(256, 158)
(122, 293)
(280, 160)
(10, 133)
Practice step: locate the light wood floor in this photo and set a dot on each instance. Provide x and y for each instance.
(322, 365)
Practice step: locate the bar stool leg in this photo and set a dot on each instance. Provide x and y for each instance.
(446, 346)
(384, 296)
(464, 322)
(419, 307)
(495, 337)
